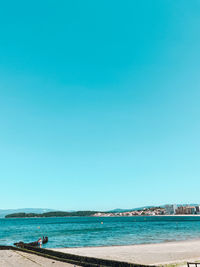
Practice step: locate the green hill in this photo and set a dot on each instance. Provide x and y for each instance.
(50, 214)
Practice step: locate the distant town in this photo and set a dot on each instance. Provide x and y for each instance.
(145, 211)
(166, 210)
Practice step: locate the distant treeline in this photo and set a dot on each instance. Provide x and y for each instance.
(50, 214)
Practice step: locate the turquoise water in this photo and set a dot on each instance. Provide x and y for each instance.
(90, 231)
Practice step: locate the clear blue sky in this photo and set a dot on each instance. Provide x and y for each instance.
(99, 103)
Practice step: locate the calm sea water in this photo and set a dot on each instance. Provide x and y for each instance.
(92, 231)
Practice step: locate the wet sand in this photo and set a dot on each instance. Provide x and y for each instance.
(11, 258)
(159, 254)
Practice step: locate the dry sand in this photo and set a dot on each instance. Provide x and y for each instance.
(158, 254)
(11, 258)
(149, 254)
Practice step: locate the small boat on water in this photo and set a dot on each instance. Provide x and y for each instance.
(33, 244)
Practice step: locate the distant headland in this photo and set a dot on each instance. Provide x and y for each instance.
(174, 209)
(51, 214)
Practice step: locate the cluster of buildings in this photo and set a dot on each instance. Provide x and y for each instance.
(181, 210)
(166, 210)
(143, 212)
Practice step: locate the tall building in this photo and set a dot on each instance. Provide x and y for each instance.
(197, 209)
(188, 210)
(170, 209)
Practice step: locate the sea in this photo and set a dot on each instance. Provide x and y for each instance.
(100, 231)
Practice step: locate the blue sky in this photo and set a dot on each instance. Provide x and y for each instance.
(99, 103)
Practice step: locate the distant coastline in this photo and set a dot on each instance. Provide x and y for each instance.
(50, 214)
(167, 210)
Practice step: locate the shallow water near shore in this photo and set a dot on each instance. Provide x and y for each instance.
(94, 231)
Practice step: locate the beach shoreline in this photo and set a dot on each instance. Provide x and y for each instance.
(139, 244)
(175, 252)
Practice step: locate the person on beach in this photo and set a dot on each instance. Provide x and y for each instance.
(40, 242)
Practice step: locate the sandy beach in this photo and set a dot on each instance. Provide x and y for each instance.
(11, 258)
(159, 254)
(179, 252)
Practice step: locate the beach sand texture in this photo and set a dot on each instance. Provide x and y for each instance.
(178, 252)
(158, 254)
(11, 258)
